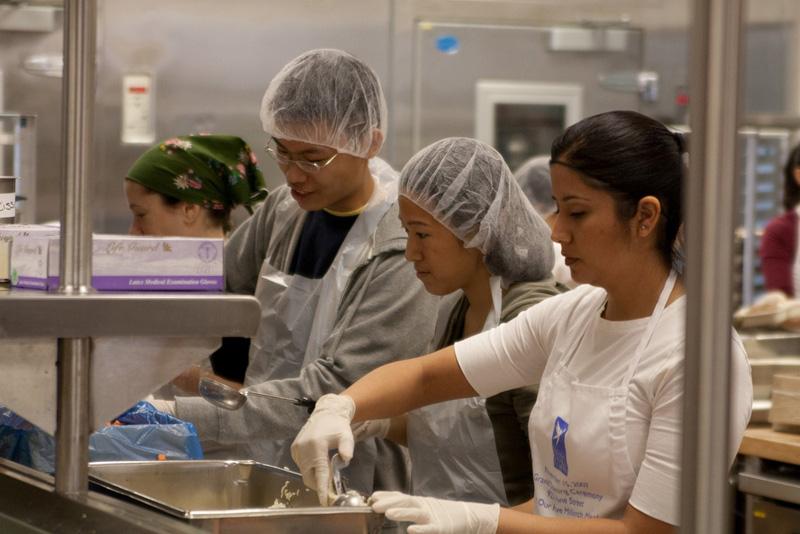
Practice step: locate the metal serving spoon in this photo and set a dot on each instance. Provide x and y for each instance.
(230, 398)
(350, 498)
(344, 497)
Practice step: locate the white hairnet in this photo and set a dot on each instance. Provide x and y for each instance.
(534, 179)
(466, 186)
(326, 97)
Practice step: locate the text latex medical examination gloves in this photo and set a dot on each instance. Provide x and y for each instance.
(436, 516)
(327, 428)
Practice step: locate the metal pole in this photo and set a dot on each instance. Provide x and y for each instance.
(710, 205)
(72, 427)
(78, 90)
(75, 269)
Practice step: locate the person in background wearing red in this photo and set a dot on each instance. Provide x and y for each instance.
(779, 245)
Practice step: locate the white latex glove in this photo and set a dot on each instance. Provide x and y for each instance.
(328, 427)
(436, 516)
(374, 428)
(161, 405)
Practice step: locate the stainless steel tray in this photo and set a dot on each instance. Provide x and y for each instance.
(231, 496)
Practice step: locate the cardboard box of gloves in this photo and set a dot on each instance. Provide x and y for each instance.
(7, 234)
(124, 263)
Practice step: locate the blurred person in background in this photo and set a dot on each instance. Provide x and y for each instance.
(534, 179)
(778, 251)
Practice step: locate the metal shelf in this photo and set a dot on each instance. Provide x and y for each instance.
(770, 343)
(26, 313)
(764, 334)
(148, 337)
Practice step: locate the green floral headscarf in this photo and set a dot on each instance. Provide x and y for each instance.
(216, 171)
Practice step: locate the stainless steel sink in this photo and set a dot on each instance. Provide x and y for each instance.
(232, 496)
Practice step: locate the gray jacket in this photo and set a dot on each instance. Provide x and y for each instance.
(385, 315)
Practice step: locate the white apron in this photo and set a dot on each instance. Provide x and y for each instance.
(451, 444)
(581, 466)
(298, 313)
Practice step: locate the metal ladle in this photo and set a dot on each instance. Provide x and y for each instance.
(229, 398)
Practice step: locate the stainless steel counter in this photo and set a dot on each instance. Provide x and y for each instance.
(30, 505)
(768, 482)
(138, 340)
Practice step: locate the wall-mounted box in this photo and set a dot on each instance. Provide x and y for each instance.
(576, 39)
(28, 18)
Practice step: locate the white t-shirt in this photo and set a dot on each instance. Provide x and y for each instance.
(517, 353)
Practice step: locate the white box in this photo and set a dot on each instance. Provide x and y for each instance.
(7, 234)
(5, 258)
(143, 263)
(128, 263)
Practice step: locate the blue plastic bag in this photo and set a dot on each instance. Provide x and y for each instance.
(26, 444)
(144, 434)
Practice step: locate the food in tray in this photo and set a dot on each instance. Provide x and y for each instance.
(284, 500)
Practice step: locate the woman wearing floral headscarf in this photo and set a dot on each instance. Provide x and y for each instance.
(188, 185)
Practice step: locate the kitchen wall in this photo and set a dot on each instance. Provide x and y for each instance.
(211, 61)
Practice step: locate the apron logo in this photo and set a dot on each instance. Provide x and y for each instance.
(560, 428)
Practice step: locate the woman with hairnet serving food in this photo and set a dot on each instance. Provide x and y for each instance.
(474, 238)
(605, 432)
(324, 256)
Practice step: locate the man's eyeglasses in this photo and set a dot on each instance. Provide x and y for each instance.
(304, 165)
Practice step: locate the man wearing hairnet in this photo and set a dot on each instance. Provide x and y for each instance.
(324, 256)
(474, 237)
(534, 179)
